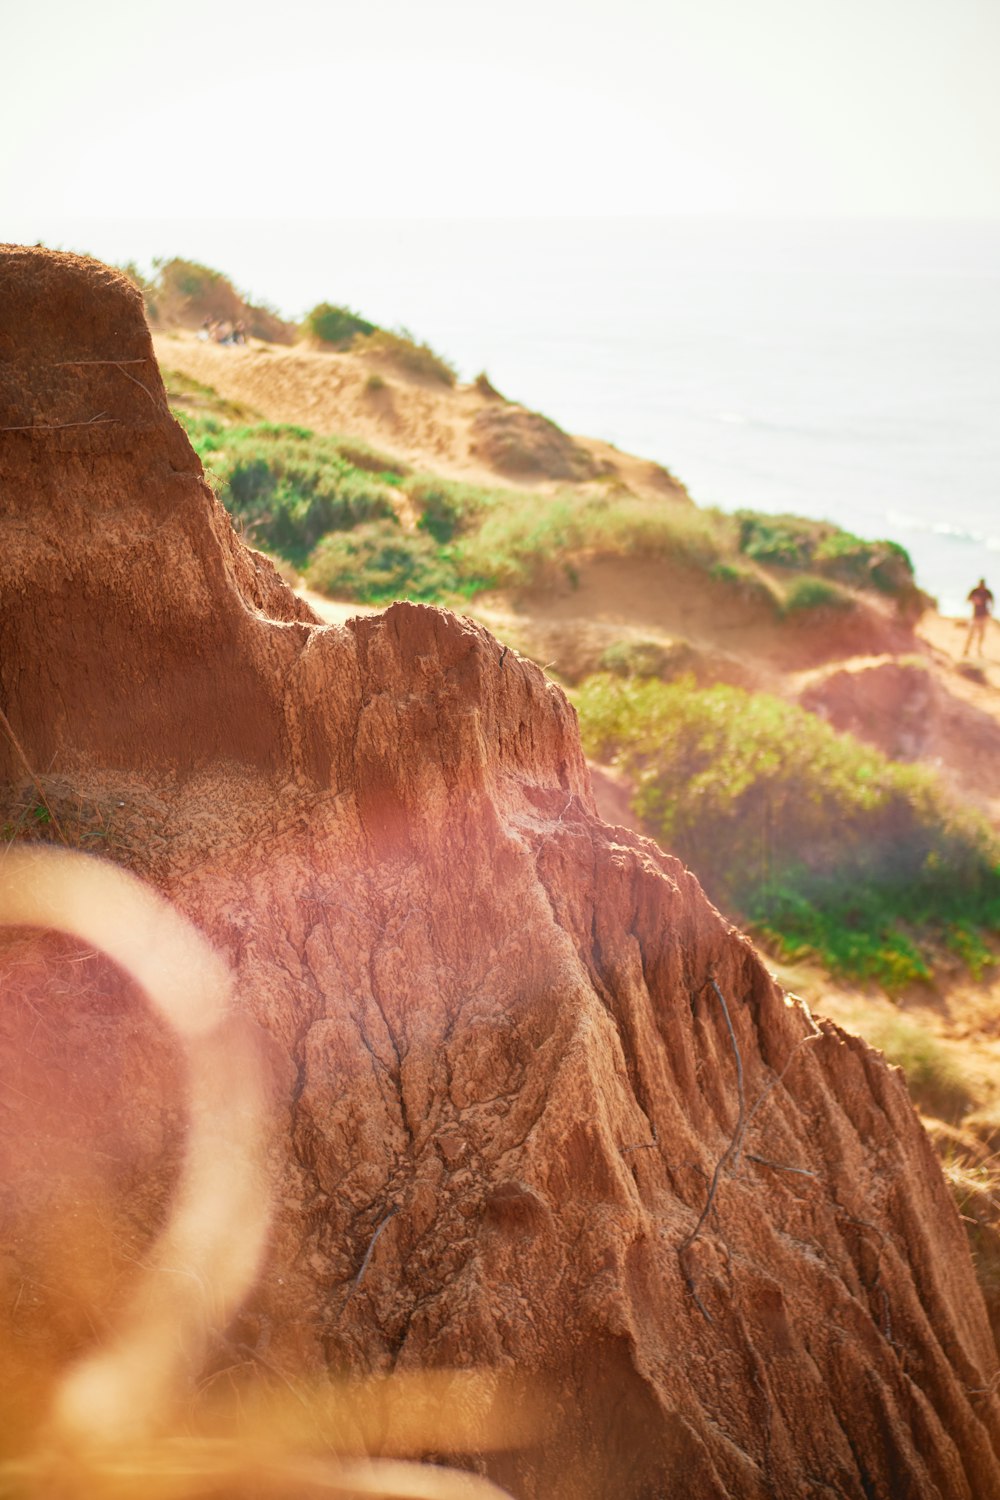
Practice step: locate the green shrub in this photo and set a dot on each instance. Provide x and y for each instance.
(188, 277)
(747, 584)
(779, 540)
(402, 350)
(807, 593)
(636, 659)
(822, 843)
(531, 537)
(335, 325)
(379, 561)
(884, 566)
(820, 547)
(287, 486)
(449, 508)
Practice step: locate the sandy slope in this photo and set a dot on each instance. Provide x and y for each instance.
(451, 431)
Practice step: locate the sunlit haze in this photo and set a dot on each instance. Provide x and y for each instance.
(541, 107)
(755, 242)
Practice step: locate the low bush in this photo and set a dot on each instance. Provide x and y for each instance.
(807, 593)
(820, 547)
(335, 325)
(747, 583)
(402, 350)
(531, 538)
(287, 486)
(636, 659)
(821, 843)
(449, 508)
(184, 291)
(379, 561)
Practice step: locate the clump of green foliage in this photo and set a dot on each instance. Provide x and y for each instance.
(636, 658)
(820, 547)
(746, 582)
(379, 561)
(528, 539)
(335, 325)
(401, 349)
(288, 487)
(189, 398)
(186, 290)
(821, 843)
(808, 593)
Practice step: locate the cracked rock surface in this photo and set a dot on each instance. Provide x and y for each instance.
(509, 1042)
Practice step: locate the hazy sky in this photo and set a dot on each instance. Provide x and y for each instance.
(212, 109)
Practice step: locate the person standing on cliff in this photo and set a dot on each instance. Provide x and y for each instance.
(982, 605)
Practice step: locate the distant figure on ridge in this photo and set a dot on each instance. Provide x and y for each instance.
(982, 604)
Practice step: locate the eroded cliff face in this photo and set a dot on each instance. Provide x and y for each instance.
(509, 1044)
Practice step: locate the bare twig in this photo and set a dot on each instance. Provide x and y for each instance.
(160, 405)
(117, 364)
(732, 1151)
(101, 420)
(641, 1146)
(815, 1035)
(63, 363)
(779, 1166)
(34, 779)
(368, 1254)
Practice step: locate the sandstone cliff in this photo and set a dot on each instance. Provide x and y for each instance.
(508, 1045)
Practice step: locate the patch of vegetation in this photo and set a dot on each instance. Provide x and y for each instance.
(288, 487)
(449, 508)
(401, 349)
(823, 844)
(335, 325)
(747, 583)
(54, 812)
(806, 593)
(819, 547)
(532, 538)
(380, 561)
(186, 291)
(636, 659)
(188, 397)
(485, 387)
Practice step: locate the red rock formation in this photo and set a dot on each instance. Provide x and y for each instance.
(512, 1044)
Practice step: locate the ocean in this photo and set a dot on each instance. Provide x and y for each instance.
(845, 370)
